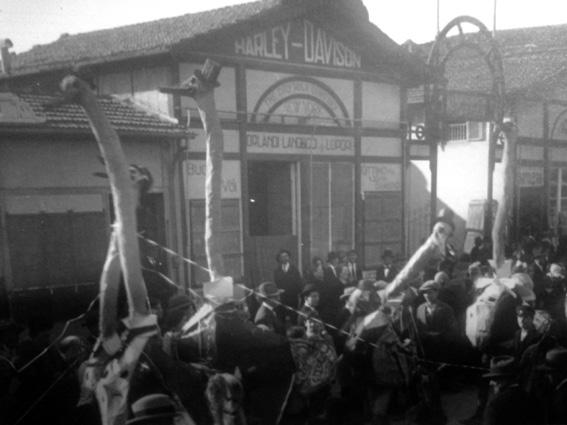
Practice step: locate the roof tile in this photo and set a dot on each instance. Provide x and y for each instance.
(126, 118)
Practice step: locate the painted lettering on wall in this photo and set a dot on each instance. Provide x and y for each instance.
(299, 144)
(380, 177)
(302, 98)
(300, 41)
(269, 44)
(196, 172)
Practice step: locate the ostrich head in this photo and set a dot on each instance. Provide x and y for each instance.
(200, 84)
(79, 81)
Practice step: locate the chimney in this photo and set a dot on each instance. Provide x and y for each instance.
(5, 58)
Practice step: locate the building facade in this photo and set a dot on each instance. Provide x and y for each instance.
(312, 104)
(534, 60)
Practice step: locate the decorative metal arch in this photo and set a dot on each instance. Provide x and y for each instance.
(436, 91)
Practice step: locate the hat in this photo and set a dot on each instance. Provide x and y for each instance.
(501, 366)
(209, 72)
(525, 310)
(178, 302)
(555, 270)
(430, 285)
(446, 215)
(555, 359)
(151, 408)
(310, 287)
(387, 253)
(441, 277)
(269, 289)
(366, 285)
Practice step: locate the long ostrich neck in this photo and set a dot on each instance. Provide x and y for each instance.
(213, 181)
(505, 204)
(433, 248)
(124, 200)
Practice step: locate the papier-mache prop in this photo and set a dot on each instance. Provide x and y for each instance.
(120, 345)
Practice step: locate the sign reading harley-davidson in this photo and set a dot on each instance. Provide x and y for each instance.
(299, 41)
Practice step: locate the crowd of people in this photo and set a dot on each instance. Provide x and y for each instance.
(392, 358)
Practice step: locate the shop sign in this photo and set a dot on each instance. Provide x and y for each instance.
(299, 41)
(380, 177)
(530, 177)
(302, 144)
(195, 182)
(302, 97)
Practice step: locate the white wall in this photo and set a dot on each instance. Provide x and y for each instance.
(462, 177)
(68, 164)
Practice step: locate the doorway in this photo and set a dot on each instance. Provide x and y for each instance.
(273, 219)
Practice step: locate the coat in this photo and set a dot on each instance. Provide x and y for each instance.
(268, 317)
(387, 274)
(441, 321)
(354, 279)
(291, 282)
(437, 331)
(512, 406)
(330, 297)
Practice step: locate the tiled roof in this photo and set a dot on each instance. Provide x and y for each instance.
(127, 119)
(133, 40)
(155, 37)
(533, 60)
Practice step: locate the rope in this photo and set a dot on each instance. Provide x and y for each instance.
(251, 292)
(44, 394)
(60, 336)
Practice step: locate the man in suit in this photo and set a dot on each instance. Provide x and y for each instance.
(288, 279)
(331, 290)
(435, 322)
(386, 271)
(268, 316)
(510, 405)
(555, 368)
(354, 269)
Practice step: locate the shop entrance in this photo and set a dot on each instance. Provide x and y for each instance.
(273, 218)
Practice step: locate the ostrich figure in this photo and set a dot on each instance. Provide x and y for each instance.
(509, 132)
(200, 86)
(118, 355)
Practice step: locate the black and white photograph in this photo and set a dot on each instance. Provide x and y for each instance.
(283, 212)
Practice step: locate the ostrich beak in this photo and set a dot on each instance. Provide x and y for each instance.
(182, 91)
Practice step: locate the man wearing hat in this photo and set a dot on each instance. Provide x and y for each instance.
(510, 405)
(435, 322)
(157, 409)
(288, 279)
(267, 316)
(386, 271)
(527, 334)
(555, 368)
(550, 295)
